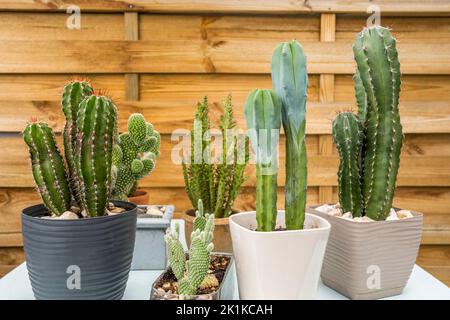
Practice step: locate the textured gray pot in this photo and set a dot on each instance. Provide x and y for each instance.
(225, 292)
(96, 251)
(359, 254)
(150, 251)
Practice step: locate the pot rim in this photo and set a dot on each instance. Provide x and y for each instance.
(217, 221)
(41, 206)
(227, 274)
(416, 216)
(325, 228)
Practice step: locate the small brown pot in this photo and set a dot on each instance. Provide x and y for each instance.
(140, 198)
(222, 237)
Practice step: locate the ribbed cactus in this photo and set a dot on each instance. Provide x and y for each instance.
(96, 128)
(134, 156)
(48, 167)
(290, 83)
(73, 93)
(263, 116)
(348, 135)
(191, 273)
(217, 183)
(377, 87)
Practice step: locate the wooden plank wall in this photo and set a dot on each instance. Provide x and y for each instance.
(160, 57)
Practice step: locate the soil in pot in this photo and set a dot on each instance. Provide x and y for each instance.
(140, 197)
(167, 284)
(222, 237)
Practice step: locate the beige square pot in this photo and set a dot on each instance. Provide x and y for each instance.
(370, 260)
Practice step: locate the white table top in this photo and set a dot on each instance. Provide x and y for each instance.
(422, 285)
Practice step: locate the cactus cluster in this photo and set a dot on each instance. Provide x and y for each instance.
(217, 183)
(370, 143)
(190, 273)
(89, 136)
(134, 155)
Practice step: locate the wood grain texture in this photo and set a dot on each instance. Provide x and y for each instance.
(415, 7)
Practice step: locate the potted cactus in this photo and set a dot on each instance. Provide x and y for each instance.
(134, 157)
(200, 274)
(216, 181)
(372, 247)
(78, 245)
(263, 241)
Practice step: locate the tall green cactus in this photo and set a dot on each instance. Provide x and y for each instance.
(377, 88)
(263, 116)
(290, 83)
(134, 156)
(191, 273)
(73, 93)
(348, 135)
(48, 167)
(96, 129)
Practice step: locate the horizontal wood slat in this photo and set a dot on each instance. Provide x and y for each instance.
(418, 7)
(196, 56)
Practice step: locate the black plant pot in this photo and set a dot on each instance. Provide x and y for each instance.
(79, 259)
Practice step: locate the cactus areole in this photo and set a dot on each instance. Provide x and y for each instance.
(369, 145)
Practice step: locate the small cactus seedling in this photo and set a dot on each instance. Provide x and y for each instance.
(377, 88)
(192, 272)
(134, 156)
(263, 116)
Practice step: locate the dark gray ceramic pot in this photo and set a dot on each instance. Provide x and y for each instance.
(79, 259)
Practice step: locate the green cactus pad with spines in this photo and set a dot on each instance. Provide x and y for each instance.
(134, 155)
(379, 69)
(48, 167)
(290, 83)
(96, 122)
(347, 135)
(200, 218)
(361, 97)
(73, 93)
(263, 116)
(176, 255)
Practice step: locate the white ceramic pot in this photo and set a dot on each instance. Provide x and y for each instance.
(278, 264)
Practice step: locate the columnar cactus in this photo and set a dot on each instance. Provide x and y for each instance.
(96, 128)
(191, 273)
(290, 83)
(134, 155)
(377, 85)
(73, 93)
(263, 116)
(48, 167)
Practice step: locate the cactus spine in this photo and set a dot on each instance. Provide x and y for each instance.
(134, 156)
(377, 88)
(48, 167)
(73, 93)
(263, 116)
(290, 83)
(96, 128)
(191, 273)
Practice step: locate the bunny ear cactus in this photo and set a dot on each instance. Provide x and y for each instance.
(73, 93)
(96, 127)
(377, 88)
(263, 116)
(48, 167)
(200, 217)
(290, 83)
(191, 273)
(135, 155)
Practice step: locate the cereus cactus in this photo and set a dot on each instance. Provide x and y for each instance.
(377, 87)
(263, 116)
(96, 129)
(134, 155)
(73, 93)
(48, 167)
(192, 272)
(348, 135)
(217, 183)
(290, 83)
